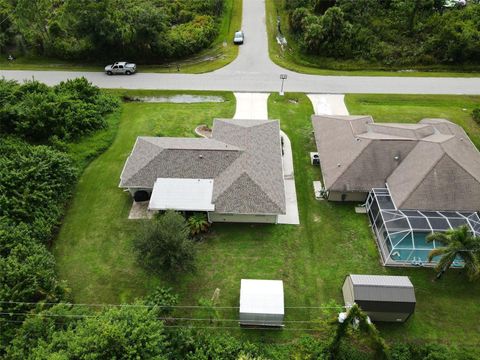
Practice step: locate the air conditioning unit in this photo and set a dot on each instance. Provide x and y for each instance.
(314, 158)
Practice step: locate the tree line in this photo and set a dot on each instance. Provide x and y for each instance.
(388, 32)
(36, 180)
(140, 30)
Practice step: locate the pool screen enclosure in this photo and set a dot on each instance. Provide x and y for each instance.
(401, 234)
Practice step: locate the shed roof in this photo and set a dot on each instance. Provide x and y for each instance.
(261, 296)
(382, 288)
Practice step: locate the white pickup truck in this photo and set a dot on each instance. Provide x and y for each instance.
(121, 67)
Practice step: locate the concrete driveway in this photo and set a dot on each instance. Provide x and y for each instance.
(328, 104)
(254, 106)
(251, 106)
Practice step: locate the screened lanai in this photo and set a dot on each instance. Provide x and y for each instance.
(401, 234)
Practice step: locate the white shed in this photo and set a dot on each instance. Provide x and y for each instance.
(261, 302)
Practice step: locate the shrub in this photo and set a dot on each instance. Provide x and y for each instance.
(67, 111)
(163, 244)
(164, 299)
(27, 274)
(198, 223)
(476, 115)
(35, 182)
(129, 332)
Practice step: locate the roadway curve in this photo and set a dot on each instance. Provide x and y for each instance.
(253, 71)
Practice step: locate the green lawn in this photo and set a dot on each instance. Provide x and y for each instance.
(294, 60)
(220, 53)
(94, 247)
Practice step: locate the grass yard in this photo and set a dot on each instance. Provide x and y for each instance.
(95, 255)
(220, 53)
(294, 60)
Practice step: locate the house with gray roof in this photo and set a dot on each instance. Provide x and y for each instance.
(234, 176)
(415, 179)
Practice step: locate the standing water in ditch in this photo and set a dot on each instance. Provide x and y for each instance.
(178, 99)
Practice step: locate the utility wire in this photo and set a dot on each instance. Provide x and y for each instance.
(163, 306)
(80, 316)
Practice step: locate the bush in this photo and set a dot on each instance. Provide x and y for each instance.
(476, 115)
(27, 274)
(35, 182)
(163, 245)
(164, 299)
(198, 224)
(67, 111)
(130, 332)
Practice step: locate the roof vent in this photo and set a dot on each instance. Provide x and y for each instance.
(396, 157)
(338, 165)
(200, 156)
(358, 139)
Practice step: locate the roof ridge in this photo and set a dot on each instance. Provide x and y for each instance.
(245, 173)
(351, 163)
(265, 192)
(148, 163)
(128, 158)
(463, 168)
(423, 178)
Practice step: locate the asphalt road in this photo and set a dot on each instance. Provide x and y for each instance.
(253, 71)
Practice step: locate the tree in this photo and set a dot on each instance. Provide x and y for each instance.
(458, 243)
(296, 19)
(35, 181)
(357, 319)
(127, 332)
(163, 244)
(27, 275)
(66, 111)
(330, 35)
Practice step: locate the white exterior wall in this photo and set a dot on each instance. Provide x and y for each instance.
(242, 218)
(347, 290)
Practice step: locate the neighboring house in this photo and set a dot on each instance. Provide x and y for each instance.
(415, 178)
(235, 176)
(381, 297)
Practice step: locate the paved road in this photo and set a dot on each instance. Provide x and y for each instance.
(253, 71)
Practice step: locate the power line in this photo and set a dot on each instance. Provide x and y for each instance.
(162, 306)
(80, 316)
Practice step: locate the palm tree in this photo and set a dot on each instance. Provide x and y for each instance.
(460, 243)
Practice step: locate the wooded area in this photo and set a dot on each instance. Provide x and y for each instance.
(388, 32)
(146, 31)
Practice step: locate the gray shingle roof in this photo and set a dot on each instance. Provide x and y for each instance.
(382, 288)
(243, 157)
(431, 165)
(440, 175)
